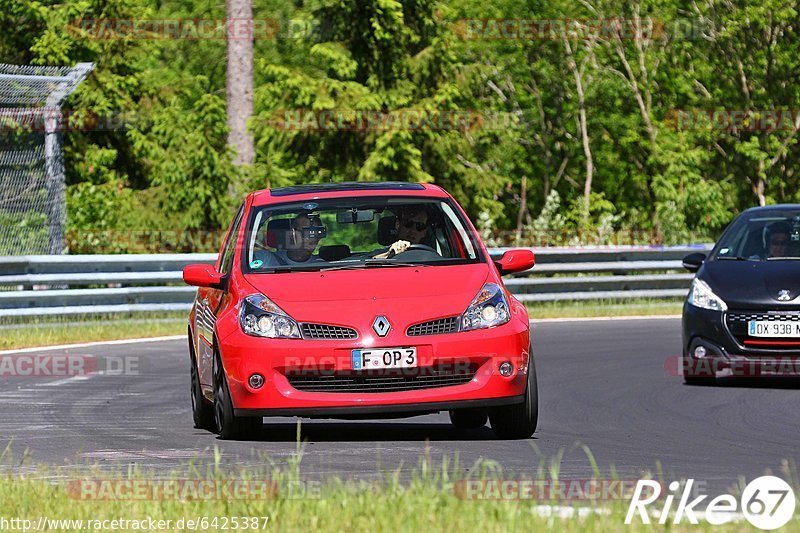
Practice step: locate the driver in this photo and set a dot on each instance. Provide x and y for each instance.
(412, 227)
(778, 239)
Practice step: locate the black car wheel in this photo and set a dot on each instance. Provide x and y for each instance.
(230, 426)
(518, 421)
(469, 418)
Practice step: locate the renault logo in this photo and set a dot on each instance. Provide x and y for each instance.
(381, 326)
(784, 295)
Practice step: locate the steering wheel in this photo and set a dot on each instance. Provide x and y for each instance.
(422, 247)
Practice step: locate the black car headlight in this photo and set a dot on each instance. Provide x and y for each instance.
(261, 317)
(701, 295)
(488, 309)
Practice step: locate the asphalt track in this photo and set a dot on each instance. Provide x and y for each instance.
(603, 384)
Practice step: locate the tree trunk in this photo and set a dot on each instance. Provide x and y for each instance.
(523, 208)
(240, 78)
(758, 188)
(587, 151)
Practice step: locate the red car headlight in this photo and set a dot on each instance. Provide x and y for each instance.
(488, 309)
(261, 317)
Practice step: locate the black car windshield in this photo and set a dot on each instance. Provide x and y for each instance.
(357, 233)
(762, 235)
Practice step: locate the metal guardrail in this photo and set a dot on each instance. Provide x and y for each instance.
(46, 285)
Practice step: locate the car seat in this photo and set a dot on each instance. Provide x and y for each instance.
(387, 230)
(277, 233)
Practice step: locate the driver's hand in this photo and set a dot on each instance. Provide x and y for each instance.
(398, 248)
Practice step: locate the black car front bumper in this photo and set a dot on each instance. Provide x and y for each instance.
(726, 354)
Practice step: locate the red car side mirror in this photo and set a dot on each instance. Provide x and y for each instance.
(513, 261)
(202, 275)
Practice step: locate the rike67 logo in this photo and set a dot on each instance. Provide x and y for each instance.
(767, 502)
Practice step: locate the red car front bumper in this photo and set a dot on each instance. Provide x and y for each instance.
(481, 351)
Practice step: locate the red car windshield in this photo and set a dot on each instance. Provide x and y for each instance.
(357, 233)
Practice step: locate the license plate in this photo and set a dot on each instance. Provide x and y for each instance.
(765, 328)
(380, 358)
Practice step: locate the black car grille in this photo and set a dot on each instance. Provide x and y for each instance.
(325, 331)
(745, 316)
(434, 327)
(386, 382)
(737, 322)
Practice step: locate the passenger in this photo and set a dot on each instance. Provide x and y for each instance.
(300, 243)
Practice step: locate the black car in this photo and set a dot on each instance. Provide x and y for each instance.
(742, 315)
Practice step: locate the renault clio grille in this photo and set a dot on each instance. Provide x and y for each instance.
(325, 331)
(434, 327)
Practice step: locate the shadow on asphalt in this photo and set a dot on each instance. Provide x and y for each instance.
(313, 431)
(754, 383)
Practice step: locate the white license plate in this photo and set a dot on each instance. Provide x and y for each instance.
(765, 328)
(380, 358)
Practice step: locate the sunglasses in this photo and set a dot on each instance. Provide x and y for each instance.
(408, 224)
(779, 243)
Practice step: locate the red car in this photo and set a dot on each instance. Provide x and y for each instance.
(353, 300)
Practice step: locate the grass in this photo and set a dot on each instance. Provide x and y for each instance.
(419, 506)
(425, 498)
(49, 332)
(604, 308)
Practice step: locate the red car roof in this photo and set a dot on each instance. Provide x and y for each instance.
(345, 189)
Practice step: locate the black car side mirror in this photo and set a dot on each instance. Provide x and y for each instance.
(693, 262)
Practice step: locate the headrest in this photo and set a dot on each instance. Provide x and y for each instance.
(779, 227)
(276, 232)
(387, 230)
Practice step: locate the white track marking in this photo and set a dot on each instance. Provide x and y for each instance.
(64, 381)
(595, 318)
(97, 343)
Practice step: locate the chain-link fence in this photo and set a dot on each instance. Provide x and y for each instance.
(32, 193)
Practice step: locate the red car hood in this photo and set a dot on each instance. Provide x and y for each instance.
(318, 296)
